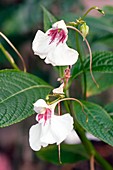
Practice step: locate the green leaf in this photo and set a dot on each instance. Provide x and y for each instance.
(49, 19)
(109, 109)
(99, 122)
(69, 153)
(99, 24)
(101, 78)
(18, 92)
(108, 9)
(105, 42)
(102, 62)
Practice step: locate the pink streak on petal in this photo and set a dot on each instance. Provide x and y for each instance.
(53, 33)
(62, 36)
(40, 116)
(57, 34)
(45, 116)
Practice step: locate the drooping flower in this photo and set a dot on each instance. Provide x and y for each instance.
(50, 128)
(52, 46)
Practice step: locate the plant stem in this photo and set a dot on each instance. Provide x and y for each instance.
(87, 144)
(80, 131)
(103, 162)
(90, 9)
(61, 70)
(9, 58)
(90, 148)
(84, 73)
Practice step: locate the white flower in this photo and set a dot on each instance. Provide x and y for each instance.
(50, 128)
(52, 46)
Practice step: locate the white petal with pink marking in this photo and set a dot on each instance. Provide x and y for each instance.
(52, 46)
(51, 128)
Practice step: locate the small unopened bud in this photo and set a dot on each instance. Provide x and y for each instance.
(100, 10)
(47, 97)
(84, 29)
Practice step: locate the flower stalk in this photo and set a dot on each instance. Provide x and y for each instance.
(59, 147)
(90, 53)
(17, 52)
(93, 8)
(9, 58)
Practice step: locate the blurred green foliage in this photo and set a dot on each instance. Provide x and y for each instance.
(20, 21)
(70, 153)
(23, 17)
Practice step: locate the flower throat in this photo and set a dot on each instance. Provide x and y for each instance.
(57, 34)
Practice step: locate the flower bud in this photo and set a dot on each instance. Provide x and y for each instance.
(100, 10)
(84, 29)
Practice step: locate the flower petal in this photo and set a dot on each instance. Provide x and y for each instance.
(40, 105)
(91, 137)
(41, 44)
(59, 90)
(72, 138)
(34, 137)
(46, 135)
(61, 25)
(62, 56)
(57, 129)
(61, 126)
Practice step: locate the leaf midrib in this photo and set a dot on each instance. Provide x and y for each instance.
(26, 89)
